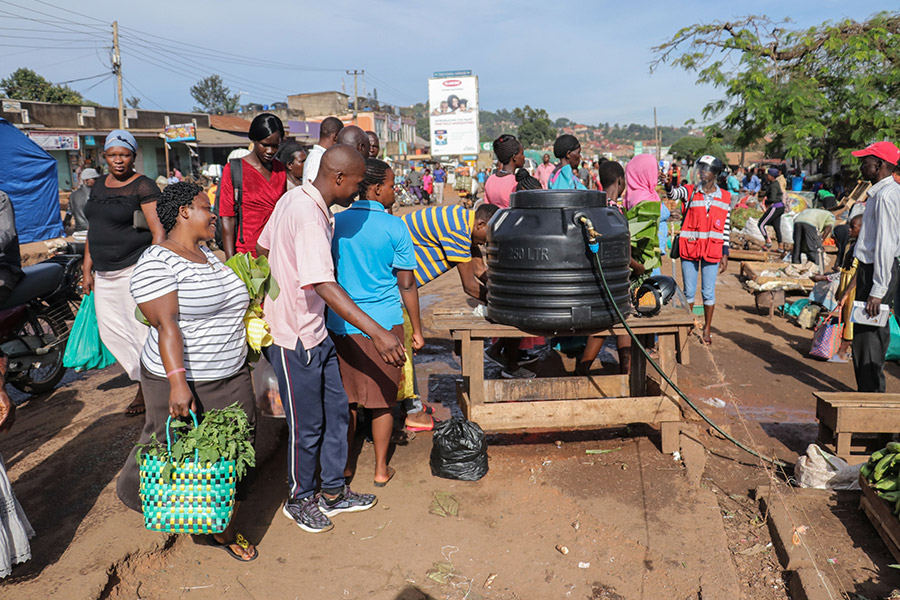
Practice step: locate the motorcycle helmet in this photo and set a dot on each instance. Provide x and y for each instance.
(708, 162)
(656, 292)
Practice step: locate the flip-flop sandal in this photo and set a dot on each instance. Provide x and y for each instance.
(381, 484)
(402, 437)
(133, 410)
(429, 427)
(427, 409)
(240, 540)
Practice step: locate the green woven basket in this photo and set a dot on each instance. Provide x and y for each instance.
(197, 497)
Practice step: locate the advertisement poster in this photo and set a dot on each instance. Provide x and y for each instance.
(180, 133)
(453, 101)
(55, 140)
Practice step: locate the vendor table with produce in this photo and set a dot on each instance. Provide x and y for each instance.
(553, 403)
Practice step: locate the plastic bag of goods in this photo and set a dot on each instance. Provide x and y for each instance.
(751, 230)
(459, 451)
(265, 387)
(823, 471)
(787, 227)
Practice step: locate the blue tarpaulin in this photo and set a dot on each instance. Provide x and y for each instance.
(28, 175)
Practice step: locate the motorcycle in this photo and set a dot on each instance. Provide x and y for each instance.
(403, 196)
(33, 320)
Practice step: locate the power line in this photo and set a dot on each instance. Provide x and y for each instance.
(89, 88)
(81, 79)
(79, 14)
(136, 92)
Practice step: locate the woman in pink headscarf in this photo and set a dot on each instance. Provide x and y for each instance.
(641, 179)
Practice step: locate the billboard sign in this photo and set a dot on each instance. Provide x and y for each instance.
(55, 140)
(181, 133)
(453, 102)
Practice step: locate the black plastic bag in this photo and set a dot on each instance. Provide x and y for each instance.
(459, 451)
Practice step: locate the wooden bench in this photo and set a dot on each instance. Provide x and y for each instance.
(557, 403)
(841, 415)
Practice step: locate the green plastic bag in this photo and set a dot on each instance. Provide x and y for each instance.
(893, 351)
(85, 349)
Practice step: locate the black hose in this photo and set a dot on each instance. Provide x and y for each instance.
(594, 247)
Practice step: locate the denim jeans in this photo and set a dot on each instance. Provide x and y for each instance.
(708, 272)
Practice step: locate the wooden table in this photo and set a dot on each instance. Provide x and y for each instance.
(843, 414)
(570, 402)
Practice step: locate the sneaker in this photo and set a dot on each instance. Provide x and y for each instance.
(492, 358)
(526, 357)
(348, 501)
(520, 373)
(307, 516)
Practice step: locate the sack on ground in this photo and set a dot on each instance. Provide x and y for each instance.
(822, 471)
(751, 230)
(84, 348)
(459, 451)
(808, 316)
(787, 227)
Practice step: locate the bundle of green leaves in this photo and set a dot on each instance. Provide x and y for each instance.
(223, 434)
(257, 276)
(643, 224)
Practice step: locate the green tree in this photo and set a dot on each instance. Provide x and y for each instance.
(213, 96)
(692, 147)
(535, 129)
(25, 84)
(815, 93)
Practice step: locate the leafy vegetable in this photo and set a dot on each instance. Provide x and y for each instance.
(643, 223)
(444, 504)
(223, 433)
(739, 217)
(257, 276)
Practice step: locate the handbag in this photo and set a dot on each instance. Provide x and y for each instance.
(187, 497)
(84, 348)
(893, 351)
(827, 337)
(676, 239)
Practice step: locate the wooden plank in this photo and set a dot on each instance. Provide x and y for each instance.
(638, 375)
(880, 514)
(462, 397)
(868, 419)
(555, 388)
(667, 359)
(476, 371)
(566, 414)
(671, 437)
(859, 399)
(753, 255)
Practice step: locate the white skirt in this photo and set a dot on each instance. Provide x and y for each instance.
(15, 530)
(121, 332)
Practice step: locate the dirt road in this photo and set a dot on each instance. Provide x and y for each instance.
(634, 523)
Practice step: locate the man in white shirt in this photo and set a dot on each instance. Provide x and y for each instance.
(877, 250)
(328, 132)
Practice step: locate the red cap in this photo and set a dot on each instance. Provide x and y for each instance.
(884, 150)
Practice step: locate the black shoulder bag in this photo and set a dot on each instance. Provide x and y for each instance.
(237, 182)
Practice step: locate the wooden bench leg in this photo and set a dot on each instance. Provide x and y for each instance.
(842, 445)
(671, 441)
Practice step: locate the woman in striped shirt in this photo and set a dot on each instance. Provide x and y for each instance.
(195, 357)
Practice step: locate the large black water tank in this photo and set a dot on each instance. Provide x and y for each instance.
(541, 274)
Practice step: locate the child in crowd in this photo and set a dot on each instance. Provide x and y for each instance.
(500, 185)
(375, 263)
(297, 240)
(846, 291)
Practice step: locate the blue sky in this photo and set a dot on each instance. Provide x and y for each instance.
(590, 64)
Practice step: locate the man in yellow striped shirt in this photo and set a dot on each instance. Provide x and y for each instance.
(447, 236)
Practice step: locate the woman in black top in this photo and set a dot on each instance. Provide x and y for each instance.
(116, 240)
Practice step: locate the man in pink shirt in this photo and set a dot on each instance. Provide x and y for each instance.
(544, 170)
(297, 239)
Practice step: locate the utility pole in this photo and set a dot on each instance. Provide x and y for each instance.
(354, 72)
(117, 69)
(656, 135)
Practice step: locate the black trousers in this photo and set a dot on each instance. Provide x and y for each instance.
(870, 344)
(806, 240)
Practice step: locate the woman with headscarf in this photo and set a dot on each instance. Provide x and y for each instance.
(122, 223)
(567, 149)
(641, 179)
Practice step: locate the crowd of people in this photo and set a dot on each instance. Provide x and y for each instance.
(347, 319)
